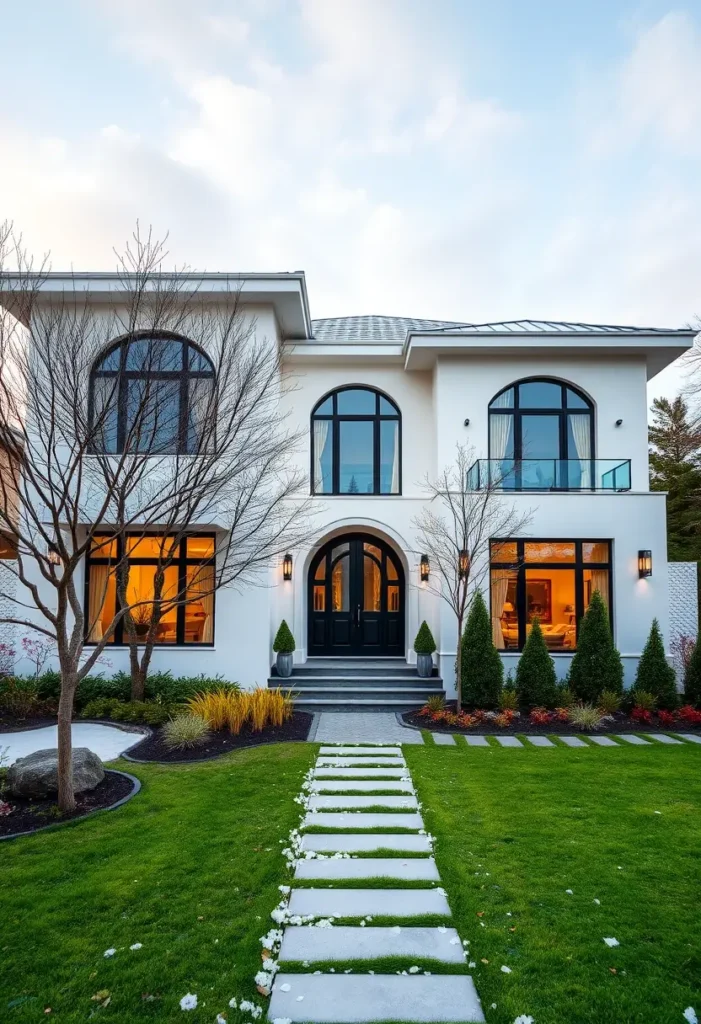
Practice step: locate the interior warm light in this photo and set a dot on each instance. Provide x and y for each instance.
(644, 564)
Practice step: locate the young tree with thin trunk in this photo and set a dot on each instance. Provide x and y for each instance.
(454, 531)
(84, 459)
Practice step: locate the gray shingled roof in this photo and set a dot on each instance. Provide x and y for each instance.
(395, 328)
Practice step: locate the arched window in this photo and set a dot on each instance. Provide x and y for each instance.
(541, 435)
(356, 443)
(149, 393)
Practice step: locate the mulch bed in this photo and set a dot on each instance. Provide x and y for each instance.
(30, 815)
(521, 726)
(11, 723)
(153, 748)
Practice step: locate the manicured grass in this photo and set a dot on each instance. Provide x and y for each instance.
(190, 868)
(517, 828)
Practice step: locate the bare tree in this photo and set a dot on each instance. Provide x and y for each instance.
(99, 441)
(454, 531)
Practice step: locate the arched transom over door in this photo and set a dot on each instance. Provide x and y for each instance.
(356, 599)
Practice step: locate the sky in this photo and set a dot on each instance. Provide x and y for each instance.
(467, 160)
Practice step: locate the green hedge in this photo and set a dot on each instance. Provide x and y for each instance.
(161, 686)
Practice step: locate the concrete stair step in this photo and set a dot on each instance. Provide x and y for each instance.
(340, 903)
(360, 786)
(413, 869)
(345, 751)
(369, 999)
(361, 772)
(327, 761)
(343, 943)
(352, 843)
(359, 803)
(342, 704)
(359, 821)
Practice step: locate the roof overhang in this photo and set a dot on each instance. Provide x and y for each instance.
(421, 351)
(346, 353)
(285, 292)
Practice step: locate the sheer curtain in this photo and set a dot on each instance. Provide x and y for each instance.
(581, 432)
(600, 582)
(500, 430)
(500, 586)
(99, 576)
(395, 460)
(202, 584)
(321, 433)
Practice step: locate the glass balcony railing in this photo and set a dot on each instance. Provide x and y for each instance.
(550, 475)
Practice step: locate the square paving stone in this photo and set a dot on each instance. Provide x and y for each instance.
(476, 741)
(692, 737)
(509, 741)
(637, 741)
(573, 741)
(413, 869)
(443, 739)
(541, 741)
(662, 737)
(368, 902)
(604, 741)
(343, 943)
(367, 999)
(359, 773)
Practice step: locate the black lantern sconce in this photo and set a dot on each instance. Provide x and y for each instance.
(425, 569)
(463, 564)
(644, 564)
(287, 567)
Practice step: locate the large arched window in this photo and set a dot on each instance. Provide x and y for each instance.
(356, 443)
(541, 435)
(150, 393)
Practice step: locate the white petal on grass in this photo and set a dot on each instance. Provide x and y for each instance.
(598, 902)
(188, 1002)
(136, 945)
(612, 942)
(690, 1015)
(505, 970)
(219, 1019)
(524, 1018)
(233, 1004)
(569, 892)
(414, 970)
(109, 952)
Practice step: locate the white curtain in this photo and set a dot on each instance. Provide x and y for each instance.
(499, 431)
(321, 433)
(581, 432)
(99, 575)
(600, 582)
(202, 584)
(500, 587)
(395, 461)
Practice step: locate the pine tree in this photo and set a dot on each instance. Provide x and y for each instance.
(353, 486)
(692, 677)
(284, 642)
(596, 665)
(481, 666)
(655, 675)
(536, 681)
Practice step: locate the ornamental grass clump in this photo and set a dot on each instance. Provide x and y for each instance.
(481, 666)
(655, 675)
(435, 703)
(586, 716)
(185, 732)
(508, 700)
(536, 681)
(609, 702)
(220, 709)
(596, 665)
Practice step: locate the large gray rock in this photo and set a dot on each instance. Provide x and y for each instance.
(36, 775)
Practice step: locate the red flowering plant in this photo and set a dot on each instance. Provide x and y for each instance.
(466, 721)
(504, 719)
(689, 715)
(667, 718)
(540, 716)
(641, 715)
(562, 714)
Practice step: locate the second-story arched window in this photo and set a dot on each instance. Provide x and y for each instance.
(541, 435)
(356, 443)
(149, 393)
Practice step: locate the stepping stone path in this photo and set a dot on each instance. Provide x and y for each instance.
(604, 741)
(443, 739)
(573, 741)
(350, 998)
(541, 741)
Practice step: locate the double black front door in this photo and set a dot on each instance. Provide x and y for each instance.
(356, 599)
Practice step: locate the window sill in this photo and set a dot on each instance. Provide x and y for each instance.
(156, 647)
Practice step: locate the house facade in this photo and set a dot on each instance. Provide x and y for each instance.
(556, 416)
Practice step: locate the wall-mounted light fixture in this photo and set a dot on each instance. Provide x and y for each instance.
(467, 423)
(619, 422)
(425, 569)
(644, 564)
(287, 567)
(463, 564)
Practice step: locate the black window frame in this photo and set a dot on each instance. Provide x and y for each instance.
(517, 411)
(181, 561)
(578, 565)
(335, 419)
(183, 375)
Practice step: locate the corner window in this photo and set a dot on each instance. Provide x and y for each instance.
(541, 436)
(356, 444)
(188, 577)
(150, 394)
(550, 580)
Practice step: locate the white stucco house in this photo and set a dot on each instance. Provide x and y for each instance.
(556, 411)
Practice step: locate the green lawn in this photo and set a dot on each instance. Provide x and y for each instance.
(517, 828)
(191, 867)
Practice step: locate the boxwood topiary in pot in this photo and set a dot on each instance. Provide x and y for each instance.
(284, 647)
(424, 645)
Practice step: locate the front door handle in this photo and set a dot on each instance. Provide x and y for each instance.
(357, 616)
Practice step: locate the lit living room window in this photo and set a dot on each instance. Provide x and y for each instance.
(187, 596)
(551, 580)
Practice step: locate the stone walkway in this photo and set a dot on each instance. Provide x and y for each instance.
(413, 994)
(362, 727)
(444, 739)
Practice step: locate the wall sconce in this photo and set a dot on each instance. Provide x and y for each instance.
(287, 567)
(54, 556)
(644, 564)
(463, 564)
(425, 569)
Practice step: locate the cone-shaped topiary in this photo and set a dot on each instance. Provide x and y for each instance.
(655, 675)
(597, 664)
(482, 670)
(284, 642)
(692, 677)
(424, 643)
(536, 681)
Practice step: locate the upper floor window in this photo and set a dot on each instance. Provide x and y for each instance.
(541, 433)
(149, 394)
(356, 443)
